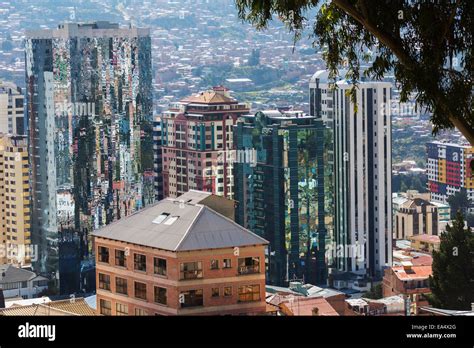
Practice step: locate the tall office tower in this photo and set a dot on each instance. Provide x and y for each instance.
(157, 158)
(283, 190)
(11, 109)
(15, 239)
(197, 143)
(362, 171)
(90, 125)
(449, 170)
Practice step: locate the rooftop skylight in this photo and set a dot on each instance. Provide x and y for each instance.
(171, 220)
(158, 220)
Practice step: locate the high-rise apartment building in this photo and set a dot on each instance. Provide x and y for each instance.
(11, 109)
(283, 190)
(362, 171)
(196, 141)
(157, 158)
(15, 234)
(448, 168)
(179, 257)
(90, 122)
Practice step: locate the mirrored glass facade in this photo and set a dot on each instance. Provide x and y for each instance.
(285, 195)
(89, 102)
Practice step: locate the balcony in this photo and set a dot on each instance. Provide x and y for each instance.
(187, 275)
(243, 270)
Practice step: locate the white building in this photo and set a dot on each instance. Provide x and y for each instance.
(19, 282)
(362, 170)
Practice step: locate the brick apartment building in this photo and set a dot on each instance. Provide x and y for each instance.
(179, 257)
(408, 280)
(197, 143)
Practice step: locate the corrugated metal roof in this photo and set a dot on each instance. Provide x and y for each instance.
(196, 227)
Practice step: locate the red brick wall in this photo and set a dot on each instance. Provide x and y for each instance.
(211, 279)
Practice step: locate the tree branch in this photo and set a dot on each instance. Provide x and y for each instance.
(449, 22)
(389, 41)
(409, 63)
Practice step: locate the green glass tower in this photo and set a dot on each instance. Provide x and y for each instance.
(284, 192)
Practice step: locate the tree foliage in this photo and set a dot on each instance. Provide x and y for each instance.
(426, 44)
(470, 220)
(405, 182)
(374, 293)
(459, 202)
(452, 282)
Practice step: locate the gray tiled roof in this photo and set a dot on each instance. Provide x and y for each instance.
(197, 227)
(11, 274)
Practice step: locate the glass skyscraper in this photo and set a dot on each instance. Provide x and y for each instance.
(89, 106)
(283, 190)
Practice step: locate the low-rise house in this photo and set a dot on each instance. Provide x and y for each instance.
(392, 305)
(358, 306)
(412, 282)
(69, 307)
(334, 297)
(20, 282)
(406, 280)
(415, 257)
(349, 280)
(312, 306)
(425, 242)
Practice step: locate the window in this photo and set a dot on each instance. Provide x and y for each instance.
(214, 264)
(159, 266)
(171, 220)
(215, 292)
(228, 291)
(249, 265)
(140, 262)
(227, 263)
(121, 309)
(191, 270)
(121, 286)
(160, 295)
(104, 281)
(160, 218)
(105, 307)
(120, 258)
(140, 312)
(249, 293)
(140, 290)
(191, 298)
(103, 254)
(40, 283)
